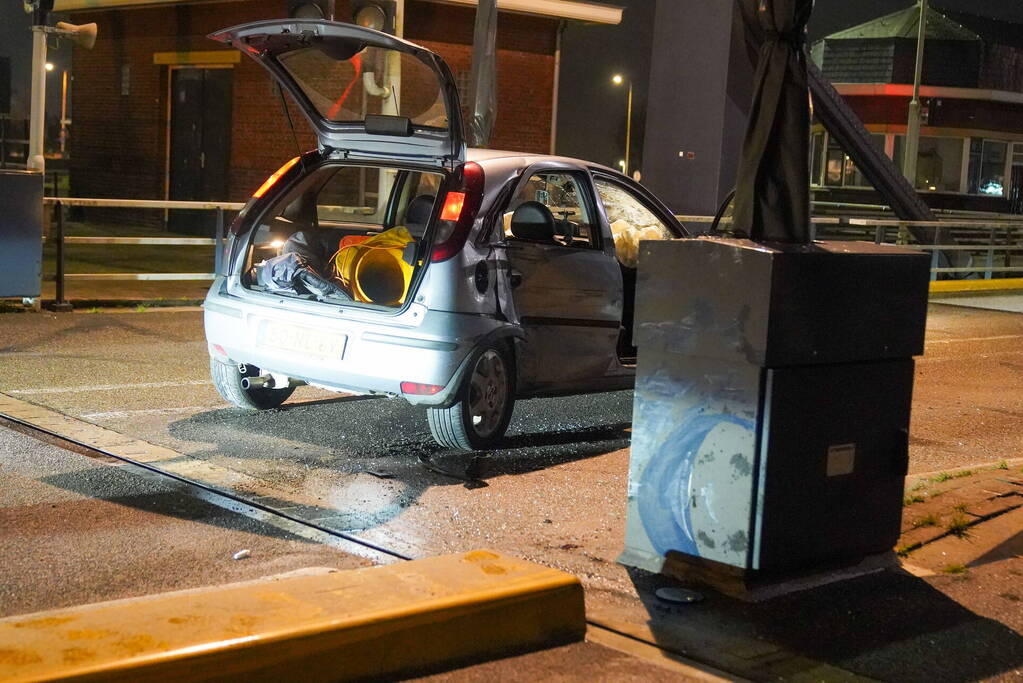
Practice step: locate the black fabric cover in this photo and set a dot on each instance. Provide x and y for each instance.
(772, 197)
(315, 247)
(278, 274)
(299, 268)
(533, 221)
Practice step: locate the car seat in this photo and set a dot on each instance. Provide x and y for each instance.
(418, 213)
(534, 222)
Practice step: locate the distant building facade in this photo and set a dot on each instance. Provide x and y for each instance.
(971, 144)
(160, 111)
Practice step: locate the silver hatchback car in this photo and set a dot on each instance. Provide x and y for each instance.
(392, 260)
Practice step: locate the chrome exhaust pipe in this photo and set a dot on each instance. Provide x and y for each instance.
(264, 382)
(271, 382)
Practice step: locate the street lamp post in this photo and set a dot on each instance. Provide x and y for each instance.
(617, 79)
(913, 125)
(38, 100)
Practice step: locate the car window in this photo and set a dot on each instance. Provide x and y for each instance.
(631, 221)
(562, 195)
(353, 195)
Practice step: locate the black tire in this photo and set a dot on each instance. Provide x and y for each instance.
(227, 378)
(483, 406)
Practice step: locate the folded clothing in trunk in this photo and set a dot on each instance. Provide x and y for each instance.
(300, 266)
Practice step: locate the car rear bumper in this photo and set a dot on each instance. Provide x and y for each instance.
(343, 354)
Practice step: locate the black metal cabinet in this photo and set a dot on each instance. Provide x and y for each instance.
(772, 404)
(21, 233)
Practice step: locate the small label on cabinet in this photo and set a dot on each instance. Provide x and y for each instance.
(841, 459)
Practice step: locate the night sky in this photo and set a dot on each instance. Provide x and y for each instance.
(591, 122)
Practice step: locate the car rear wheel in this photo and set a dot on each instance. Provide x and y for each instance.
(227, 378)
(483, 408)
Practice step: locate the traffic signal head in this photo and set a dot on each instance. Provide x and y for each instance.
(375, 14)
(311, 9)
(40, 10)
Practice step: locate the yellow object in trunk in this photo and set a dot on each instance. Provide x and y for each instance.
(374, 270)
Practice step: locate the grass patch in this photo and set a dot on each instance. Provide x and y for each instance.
(964, 473)
(909, 500)
(1002, 465)
(94, 309)
(127, 258)
(141, 308)
(954, 569)
(940, 477)
(919, 485)
(905, 550)
(926, 520)
(961, 508)
(958, 525)
(934, 494)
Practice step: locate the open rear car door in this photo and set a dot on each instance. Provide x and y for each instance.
(367, 94)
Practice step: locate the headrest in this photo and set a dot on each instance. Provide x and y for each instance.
(419, 210)
(533, 221)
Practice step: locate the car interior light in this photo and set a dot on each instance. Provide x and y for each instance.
(420, 389)
(274, 178)
(452, 206)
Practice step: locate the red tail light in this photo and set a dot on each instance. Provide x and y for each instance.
(453, 204)
(461, 204)
(420, 389)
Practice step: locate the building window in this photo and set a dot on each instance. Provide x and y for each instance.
(987, 167)
(817, 158)
(939, 162)
(839, 170)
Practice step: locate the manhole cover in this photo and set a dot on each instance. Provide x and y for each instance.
(678, 596)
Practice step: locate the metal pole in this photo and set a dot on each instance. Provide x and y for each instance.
(60, 303)
(63, 113)
(913, 125)
(36, 162)
(628, 129)
(990, 254)
(218, 257)
(557, 86)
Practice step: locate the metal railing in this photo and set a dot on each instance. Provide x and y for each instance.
(61, 240)
(984, 238)
(1004, 237)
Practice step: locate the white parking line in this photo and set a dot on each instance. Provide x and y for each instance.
(104, 387)
(975, 339)
(121, 414)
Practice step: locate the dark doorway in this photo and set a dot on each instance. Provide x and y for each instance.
(1016, 190)
(200, 144)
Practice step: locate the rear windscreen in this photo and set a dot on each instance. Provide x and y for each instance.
(373, 81)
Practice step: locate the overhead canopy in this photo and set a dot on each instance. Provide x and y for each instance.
(573, 10)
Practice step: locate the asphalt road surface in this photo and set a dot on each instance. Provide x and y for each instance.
(77, 530)
(369, 466)
(556, 492)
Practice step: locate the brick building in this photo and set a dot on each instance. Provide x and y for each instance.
(153, 77)
(971, 144)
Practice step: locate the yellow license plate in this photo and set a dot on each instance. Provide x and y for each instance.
(302, 340)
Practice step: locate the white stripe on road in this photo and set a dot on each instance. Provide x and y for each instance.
(104, 387)
(975, 339)
(121, 414)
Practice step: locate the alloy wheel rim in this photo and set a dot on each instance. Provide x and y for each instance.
(488, 393)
